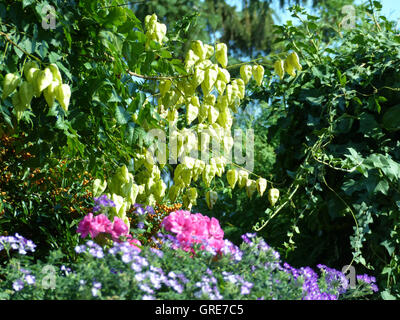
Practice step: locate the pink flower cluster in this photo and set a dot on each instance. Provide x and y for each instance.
(194, 228)
(100, 224)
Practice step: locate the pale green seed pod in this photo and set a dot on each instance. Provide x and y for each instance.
(55, 72)
(279, 67)
(251, 187)
(246, 72)
(63, 95)
(273, 196)
(261, 186)
(44, 79)
(294, 61)
(221, 54)
(289, 68)
(26, 93)
(211, 199)
(232, 176)
(258, 73)
(10, 83)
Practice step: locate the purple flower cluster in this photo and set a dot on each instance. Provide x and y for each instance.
(154, 278)
(125, 248)
(93, 248)
(102, 202)
(334, 279)
(230, 249)
(96, 289)
(248, 238)
(141, 210)
(368, 280)
(310, 283)
(17, 242)
(208, 287)
(245, 286)
(19, 284)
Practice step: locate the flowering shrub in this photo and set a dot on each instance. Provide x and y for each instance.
(101, 229)
(123, 272)
(117, 266)
(16, 242)
(194, 228)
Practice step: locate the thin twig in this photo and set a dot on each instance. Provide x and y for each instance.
(373, 16)
(17, 46)
(156, 77)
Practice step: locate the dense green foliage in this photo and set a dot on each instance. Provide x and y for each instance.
(118, 273)
(327, 138)
(338, 153)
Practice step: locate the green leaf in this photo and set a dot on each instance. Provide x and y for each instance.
(389, 247)
(122, 116)
(26, 3)
(391, 118)
(387, 296)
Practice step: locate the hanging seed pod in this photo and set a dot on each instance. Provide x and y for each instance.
(221, 54)
(198, 76)
(210, 77)
(289, 68)
(191, 113)
(232, 177)
(198, 49)
(242, 179)
(192, 194)
(224, 75)
(29, 68)
(55, 72)
(186, 202)
(63, 94)
(26, 93)
(165, 85)
(44, 79)
(213, 114)
(294, 61)
(241, 88)
(10, 83)
(211, 199)
(191, 59)
(209, 51)
(279, 67)
(251, 187)
(261, 186)
(98, 187)
(208, 174)
(273, 196)
(159, 189)
(173, 193)
(246, 72)
(50, 93)
(258, 73)
(220, 86)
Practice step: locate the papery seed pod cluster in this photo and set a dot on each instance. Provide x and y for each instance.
(47, 81)
(241, 178)
(206, 100)
(154, 30)
(289, 65)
